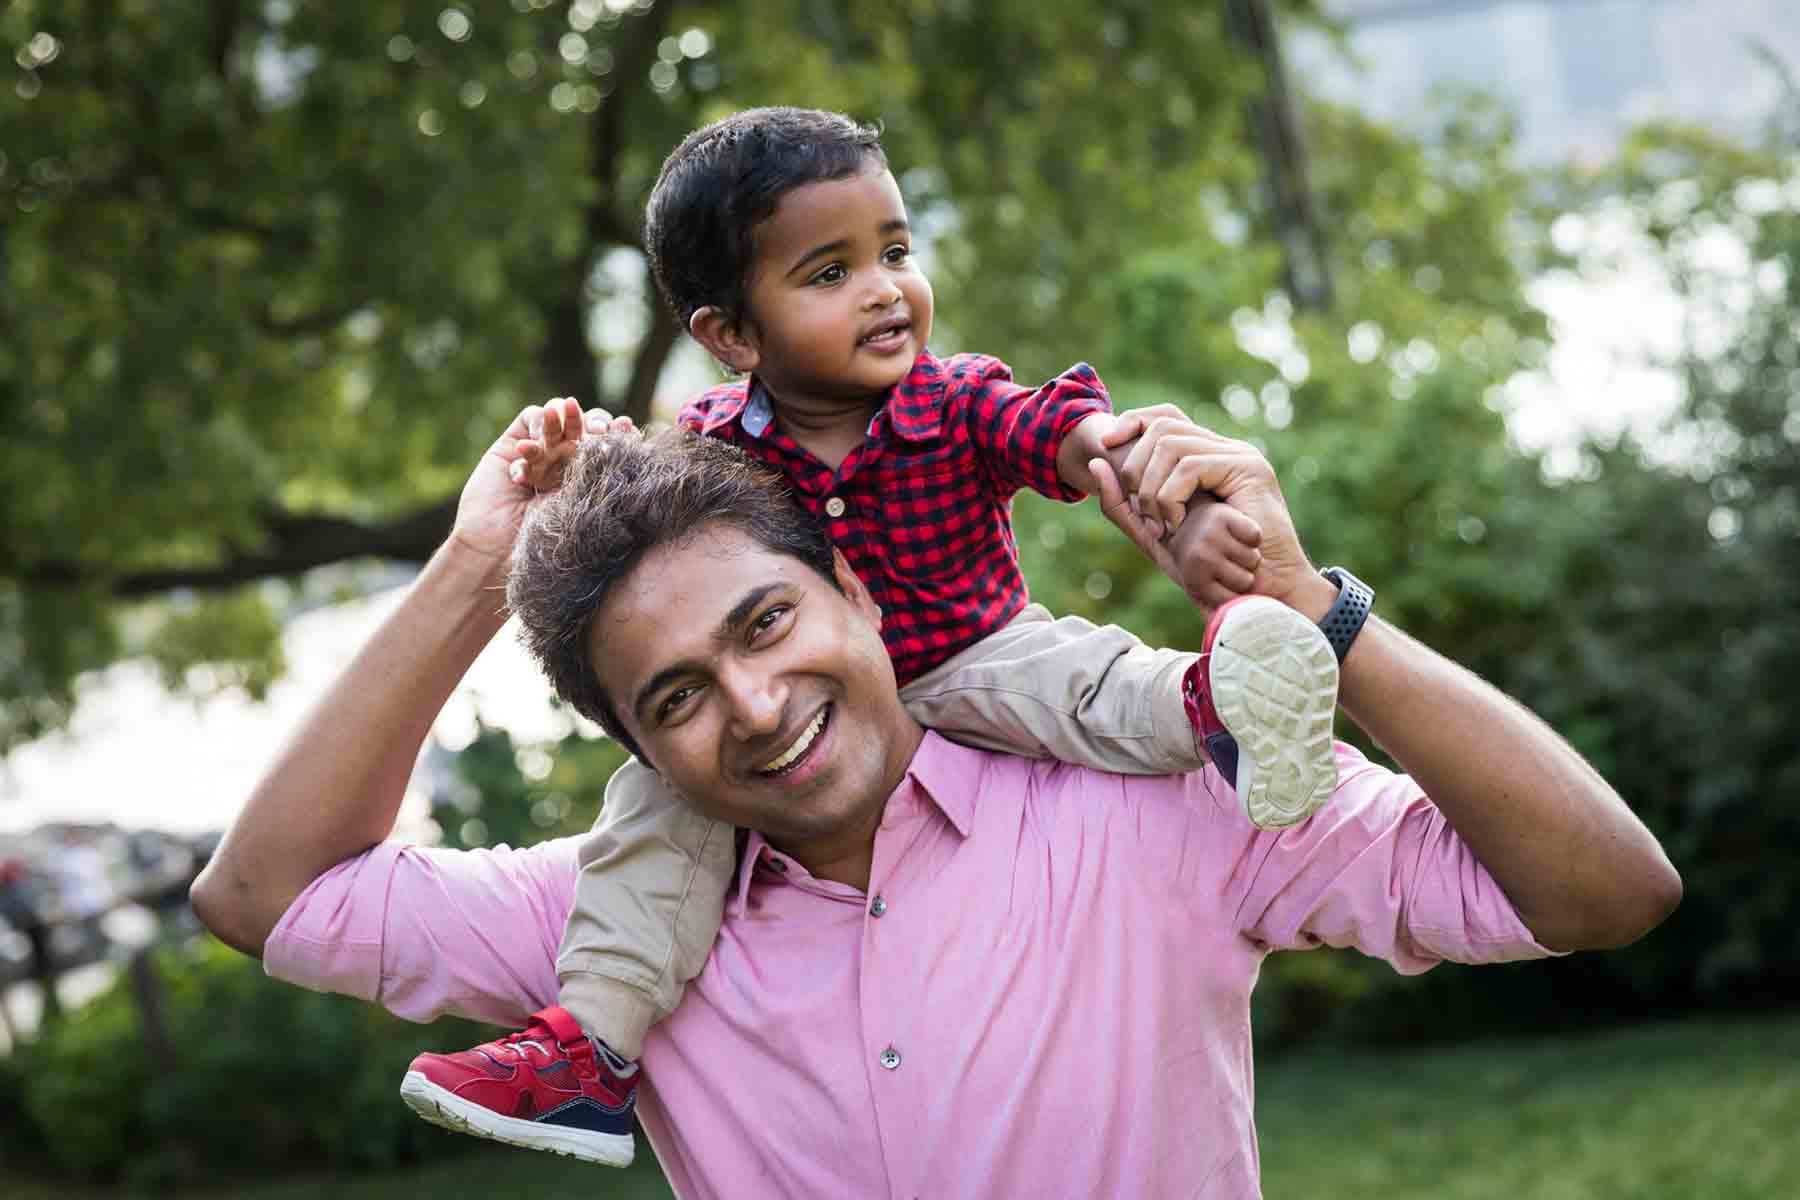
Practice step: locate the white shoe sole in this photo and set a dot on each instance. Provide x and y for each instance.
(1274, 681)
(452, 1112)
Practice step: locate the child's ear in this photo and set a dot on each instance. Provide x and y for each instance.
(725, 339)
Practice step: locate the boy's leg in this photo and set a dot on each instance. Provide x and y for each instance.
(1066, 689)
(648, 903)
(1095, 695)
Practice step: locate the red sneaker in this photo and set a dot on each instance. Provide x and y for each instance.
(548, 1087)
(1262, 695)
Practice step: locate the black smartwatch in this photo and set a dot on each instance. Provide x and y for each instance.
(1344, 620)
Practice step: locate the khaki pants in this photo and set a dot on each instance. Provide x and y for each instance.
(654, 872)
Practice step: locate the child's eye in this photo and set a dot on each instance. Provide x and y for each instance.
(897, 254)
(832, 274)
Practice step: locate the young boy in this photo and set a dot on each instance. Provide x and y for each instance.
(779, 238)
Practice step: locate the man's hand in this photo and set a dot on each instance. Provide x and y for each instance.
(1144, 447)
(1128, 441)
(1186, 458)
(1218, 554)
(529, 458)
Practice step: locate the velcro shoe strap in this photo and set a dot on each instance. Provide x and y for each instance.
(563, 1027)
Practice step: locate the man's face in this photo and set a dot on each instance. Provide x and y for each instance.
(839, 309)
(758, 690)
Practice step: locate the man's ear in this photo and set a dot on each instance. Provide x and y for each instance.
(853, 587)
(727, 340)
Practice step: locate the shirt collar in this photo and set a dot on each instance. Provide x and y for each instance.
(727, 401)
(941, 773)
(914, 406)
(758, 409)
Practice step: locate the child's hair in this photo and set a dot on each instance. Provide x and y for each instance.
(727, 177)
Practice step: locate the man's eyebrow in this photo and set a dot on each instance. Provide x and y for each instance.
(896, 225)
(726, 630)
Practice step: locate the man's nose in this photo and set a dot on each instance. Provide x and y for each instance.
(756, 701)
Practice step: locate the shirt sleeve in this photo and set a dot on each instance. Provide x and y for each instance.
(1016, 430)
(1377, 868)
(425, 931)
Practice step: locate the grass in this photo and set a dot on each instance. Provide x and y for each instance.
(1696, 1109)
(1704, 1108)
(485, 1172)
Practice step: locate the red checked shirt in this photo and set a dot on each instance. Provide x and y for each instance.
(923, 508)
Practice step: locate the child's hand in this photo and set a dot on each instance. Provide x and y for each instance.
(1216, 551)
(529, 457)
(1216, 554)
(552, 436)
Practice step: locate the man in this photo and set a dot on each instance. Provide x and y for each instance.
(943, 971)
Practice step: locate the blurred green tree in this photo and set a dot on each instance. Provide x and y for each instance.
(1679, 652)
(271, 273)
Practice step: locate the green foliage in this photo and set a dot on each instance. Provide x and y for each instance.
(47, 638)
(236, 629)
(1678, 654)
(271, 1078)
(271, 274)
(520, 795)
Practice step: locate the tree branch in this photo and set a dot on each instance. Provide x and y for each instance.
(637, 50)
(307, 323)
(222, 34)
(566, 360)
(296, 543)
(646, 366)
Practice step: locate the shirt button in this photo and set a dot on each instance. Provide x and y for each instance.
(835, 506)
(890, 1058)
(877, 907)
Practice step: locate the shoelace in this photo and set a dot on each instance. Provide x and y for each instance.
(517, 1043)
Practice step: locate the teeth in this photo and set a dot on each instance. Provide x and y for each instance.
(800, 744)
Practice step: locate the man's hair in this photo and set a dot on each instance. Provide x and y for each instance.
(622, 497)
(727, 177)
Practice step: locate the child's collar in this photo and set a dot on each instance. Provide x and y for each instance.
(914, 406)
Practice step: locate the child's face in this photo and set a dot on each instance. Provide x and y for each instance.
(838, 310)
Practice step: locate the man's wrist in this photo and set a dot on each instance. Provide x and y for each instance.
(1313, 596)
(468, 573)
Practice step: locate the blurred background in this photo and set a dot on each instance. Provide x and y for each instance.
(1507, 289)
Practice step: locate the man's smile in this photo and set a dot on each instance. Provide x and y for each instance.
(796, 754)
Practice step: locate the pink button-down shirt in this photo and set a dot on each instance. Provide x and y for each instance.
(1045, 992)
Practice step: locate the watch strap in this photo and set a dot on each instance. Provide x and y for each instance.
(1347, 614)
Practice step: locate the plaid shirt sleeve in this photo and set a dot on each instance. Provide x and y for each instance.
(1016, 430)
